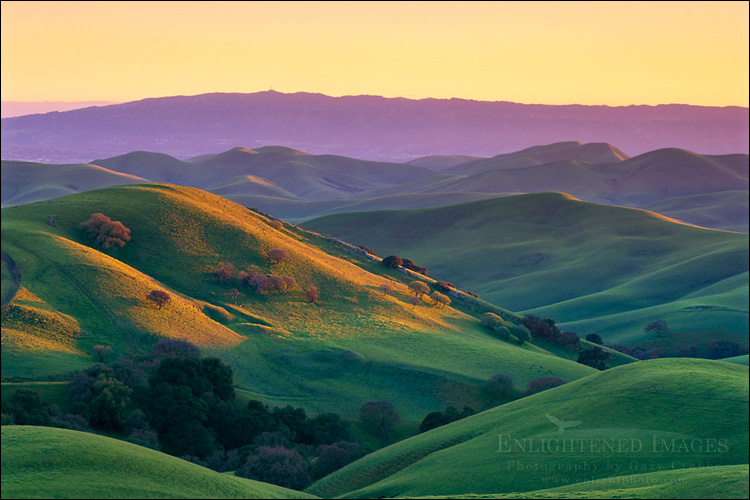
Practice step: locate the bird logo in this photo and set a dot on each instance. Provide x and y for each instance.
(561, 425)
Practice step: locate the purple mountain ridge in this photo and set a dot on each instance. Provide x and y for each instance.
(366, 127)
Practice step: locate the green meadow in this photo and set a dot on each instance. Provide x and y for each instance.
(593, 268)
(356, 344)
(42, 462)
(652, 416)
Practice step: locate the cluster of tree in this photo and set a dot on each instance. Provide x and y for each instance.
(105, 231)
(178, 402)
(439, 418)
(505, 329)
(267, 283)
(715, 349)
(545, 330)
(394, 261)
(595, 357)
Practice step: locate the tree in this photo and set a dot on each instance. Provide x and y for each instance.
(440, 299)
(393, 261)
(492, 321)
(105, 231)
(445, 286)
(387, 288)
(334, 456)
(594, 338)
(596, 358)
(659, 327)
(100, 352)
(109, 404)
(277, 465)
(540, 384)
(278, 255)
(521, 333)
(159, 297)
(379, 418)
(26, 408)
(174, 348)
(498, 389)
(414, 301)
(312, 294)
(419, 288)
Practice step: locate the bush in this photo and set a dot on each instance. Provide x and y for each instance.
(277, 465)
(100, 352)
(498, 389)
(438, 419)
(521, 333)
(312, 294)
(105, 231)
(410, 264)
(393, 261)
(387, 288)
(492, 321)
(368, 250)
(445, 286)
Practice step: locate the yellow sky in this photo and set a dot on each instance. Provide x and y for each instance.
(614, 53)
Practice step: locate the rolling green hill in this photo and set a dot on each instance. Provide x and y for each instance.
(594, 268)
(727, 481)
(726, 210)
(42, 462)
(27, 182)
(358, 344)
(652, 416)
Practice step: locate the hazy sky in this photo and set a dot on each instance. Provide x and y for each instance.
(614, 53)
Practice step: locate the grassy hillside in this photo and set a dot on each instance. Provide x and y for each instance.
(357, 344)
(727, 210)
(26, 182)
(652, 416)
(42, 462)
(728, 481)
(594, 268)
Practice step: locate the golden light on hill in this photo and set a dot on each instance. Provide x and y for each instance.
(614, 53)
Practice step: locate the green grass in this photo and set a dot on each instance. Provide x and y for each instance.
(725, 210)
(356, 345)
(41, 462)
(728, 481)
(594, 268)
(635, 406)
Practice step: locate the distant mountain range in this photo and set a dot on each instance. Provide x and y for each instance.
(708, 190)
(21, 108)
(368, 127)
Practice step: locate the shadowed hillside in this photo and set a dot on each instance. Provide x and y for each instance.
(42, 462)
(624, 421)
(594, 268)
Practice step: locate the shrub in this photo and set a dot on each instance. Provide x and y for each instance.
(498, 389)
(387, 288)
(521, 333)
(277, 465)
(332, 457)
(438, 419)
(492, 321)
(159, 297)
(278, 255)
(445, 286)
(275, 223)
(105, 231)
(393, 261)
(410, 264)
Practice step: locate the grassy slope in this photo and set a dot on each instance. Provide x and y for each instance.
(41, 462)
(359, 344)
(727, 210)
(728, 481)
(594, 268)
(640, 404)
(26, 182)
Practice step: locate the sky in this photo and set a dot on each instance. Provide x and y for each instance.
(610, 53)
